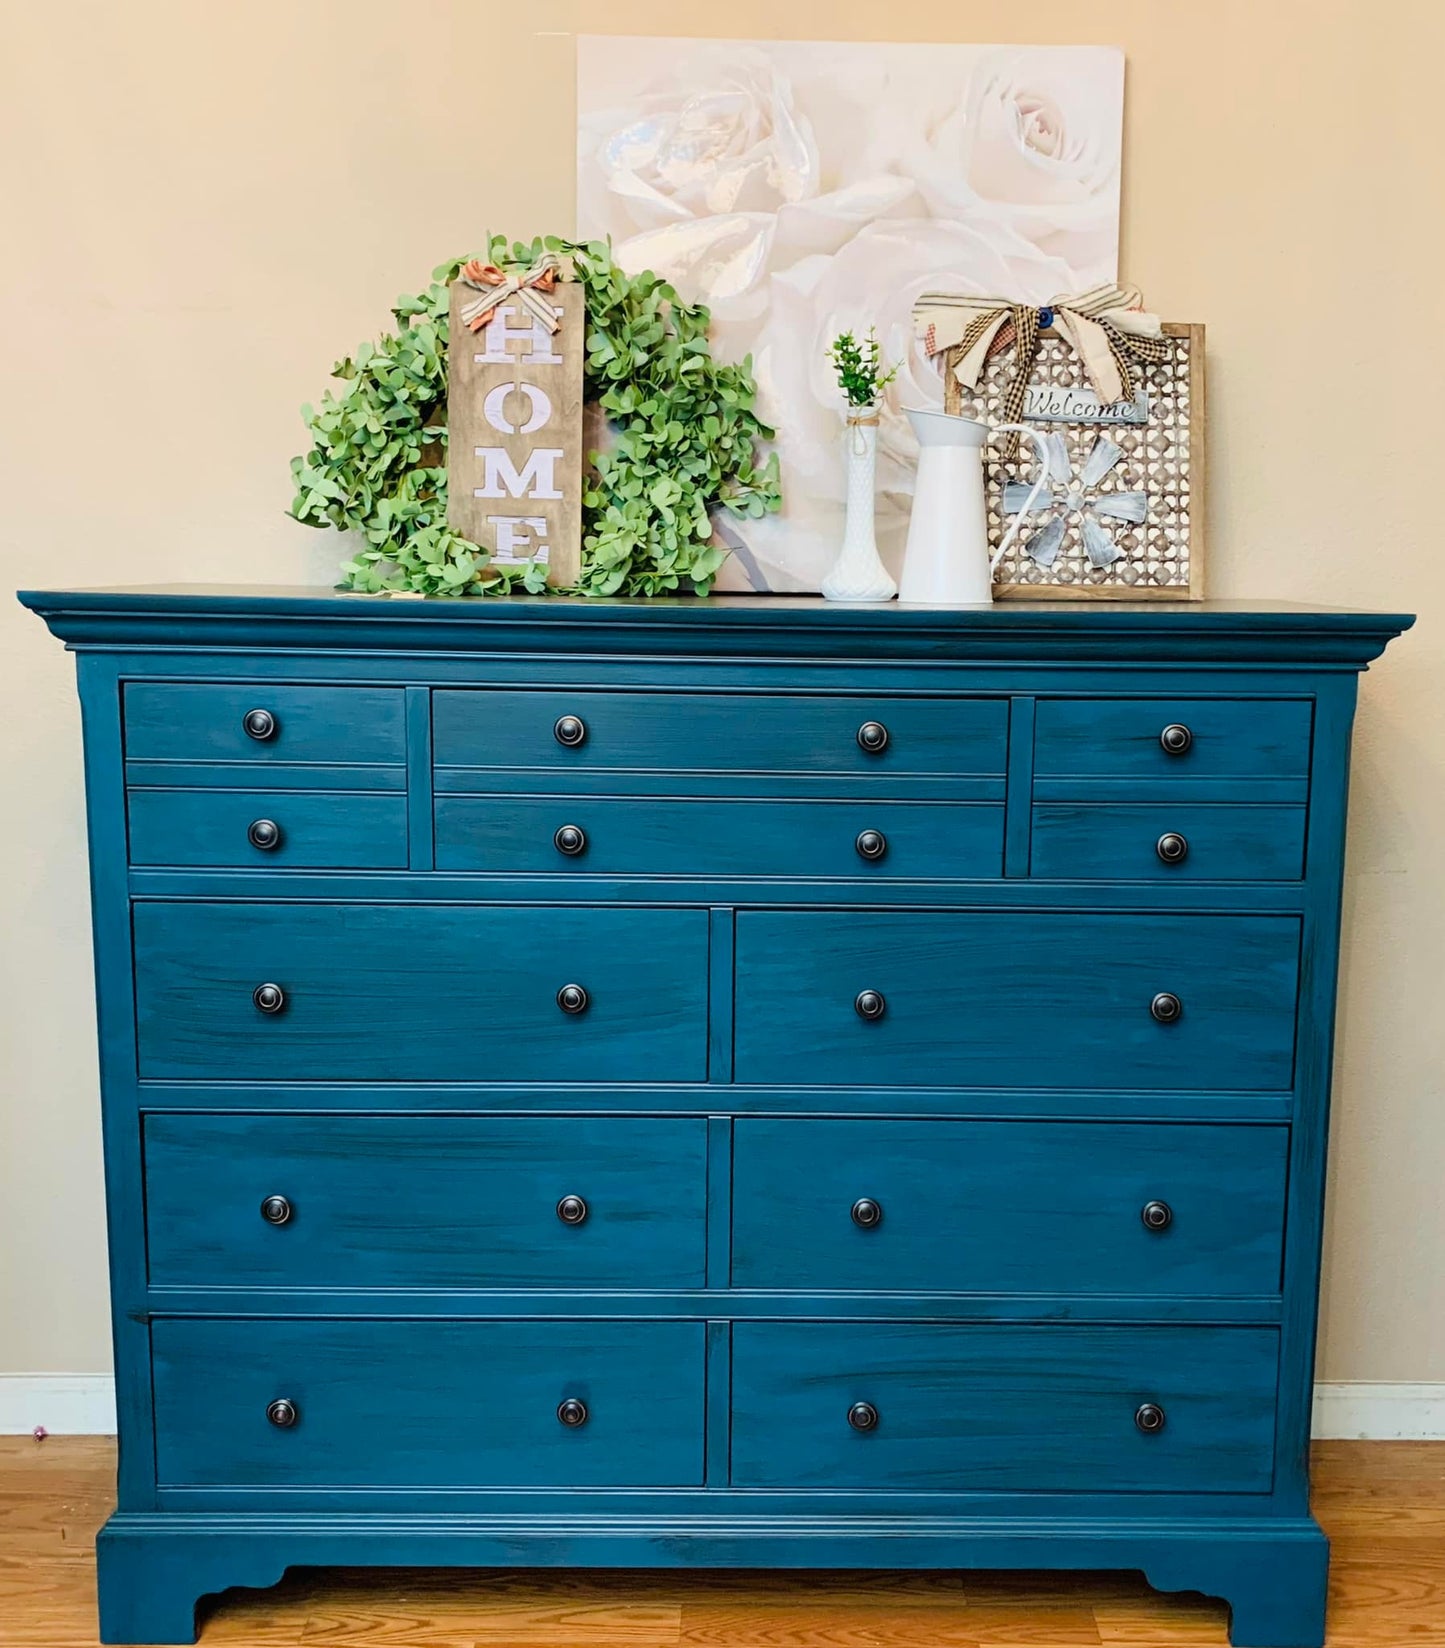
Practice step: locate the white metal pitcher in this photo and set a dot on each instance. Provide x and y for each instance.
(947, 560)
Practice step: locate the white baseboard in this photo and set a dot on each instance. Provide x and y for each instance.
(1380, 1412)
(83, 1404)
(66, 1404)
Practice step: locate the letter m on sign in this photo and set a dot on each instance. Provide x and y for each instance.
(514, 422)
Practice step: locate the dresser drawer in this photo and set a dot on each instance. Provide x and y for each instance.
(185, 721)
(1019, 998)
(1167, 841)
(268, 829)
(1120, 738)
(396, 992)
(1008, 1207)
(425, 1201)
(428, 1404)
(962, 1408)
(874, 839)
(697, 732)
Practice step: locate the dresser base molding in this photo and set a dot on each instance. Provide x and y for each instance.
(154, 1569)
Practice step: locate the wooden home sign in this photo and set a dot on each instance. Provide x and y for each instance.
(514, 414)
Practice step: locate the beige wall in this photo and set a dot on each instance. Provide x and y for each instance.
(205, 204)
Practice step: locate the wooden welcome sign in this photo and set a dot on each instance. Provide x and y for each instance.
(514, 414)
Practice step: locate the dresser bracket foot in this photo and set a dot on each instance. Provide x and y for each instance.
(149, 1587)
(1275, 1587)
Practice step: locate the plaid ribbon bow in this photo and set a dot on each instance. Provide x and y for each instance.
(1108, 328)
(496, 286)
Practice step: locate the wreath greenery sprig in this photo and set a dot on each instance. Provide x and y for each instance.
(684, 443)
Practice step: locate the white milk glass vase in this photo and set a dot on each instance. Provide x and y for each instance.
(858, 574)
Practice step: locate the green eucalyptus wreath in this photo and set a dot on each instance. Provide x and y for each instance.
(684, 429)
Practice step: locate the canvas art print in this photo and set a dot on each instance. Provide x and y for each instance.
(803, 188)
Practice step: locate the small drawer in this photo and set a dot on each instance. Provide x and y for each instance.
(1167, 841)
(427, 1404)
(983, 1408)
(1172, 739)
(1016, 998)
(563, 731)
(268, 829)
(340, 1201)
(588, 835)
(264, 725)
(397, 992)
(1008, 1207)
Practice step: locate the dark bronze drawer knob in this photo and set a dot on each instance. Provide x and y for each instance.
(1149, 1417)
(269, 998)
(572, 998)
(873, 737)
(1175, 739)
(871, 844)
(1166, 1007)
(264, 834)
(571, 1210)
(283, 1413)
(276, 1210)
(570, 730)
(259, 724)
(1157, 1215)
(1172, 848)
(570, 839)
(863, 1416)
(869, 1004)
(867, 1214)
(572, 1412)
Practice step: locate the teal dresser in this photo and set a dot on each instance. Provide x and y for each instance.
(733, 1083)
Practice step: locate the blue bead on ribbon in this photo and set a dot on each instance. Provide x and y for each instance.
(1046, 317)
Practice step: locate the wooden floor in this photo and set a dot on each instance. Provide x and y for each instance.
(1382, 1504)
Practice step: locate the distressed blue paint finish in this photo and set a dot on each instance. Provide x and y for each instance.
(427, 1103)
(397, 992)
(793, 839)
(426, 1201)
(1099, 841)
(1007, 1207)
(702, 732)
(331, 830)
(194, 722)
(1120, 738)
(429, 1404)
(1031, 1000)
(1045, 1408)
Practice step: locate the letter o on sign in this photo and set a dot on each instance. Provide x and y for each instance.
(494, 408)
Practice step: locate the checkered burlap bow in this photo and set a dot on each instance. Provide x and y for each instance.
(1108, 328)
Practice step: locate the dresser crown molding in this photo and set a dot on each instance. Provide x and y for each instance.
(737, 1082)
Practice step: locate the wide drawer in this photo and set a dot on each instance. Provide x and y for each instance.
(1008, 1207)
(427, 1404)
(268, 829)
(1019, 998)
(1167, 841)
(611, 836)
(197, 721)
(1125, 738)
(398, 992)
(700, 732)
(987, 1408)
(341, 1201)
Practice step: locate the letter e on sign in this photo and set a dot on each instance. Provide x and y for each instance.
(514, 416)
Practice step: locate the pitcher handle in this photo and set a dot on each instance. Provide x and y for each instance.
(1041, 447)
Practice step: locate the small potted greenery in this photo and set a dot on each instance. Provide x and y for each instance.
(858, 574)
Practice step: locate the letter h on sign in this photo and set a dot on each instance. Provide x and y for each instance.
(514, 416)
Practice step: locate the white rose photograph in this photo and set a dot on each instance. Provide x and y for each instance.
(801, 189)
